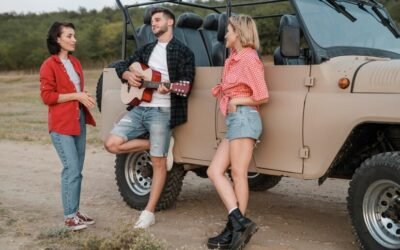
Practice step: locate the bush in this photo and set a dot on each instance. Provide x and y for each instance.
(124, 238)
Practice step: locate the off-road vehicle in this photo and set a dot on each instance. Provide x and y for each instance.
(334, 107)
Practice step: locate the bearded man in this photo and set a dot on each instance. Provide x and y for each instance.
(165, 111)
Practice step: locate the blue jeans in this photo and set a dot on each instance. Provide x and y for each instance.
(71, 150)
(142, 120)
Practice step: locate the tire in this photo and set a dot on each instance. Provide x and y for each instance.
(373, 202)
(99, 91)
(262, 182)
(201, 172)
(99, 87)
(134, 174)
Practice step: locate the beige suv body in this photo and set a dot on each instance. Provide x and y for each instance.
(333, 112)
(304, 126)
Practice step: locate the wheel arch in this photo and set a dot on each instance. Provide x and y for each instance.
(364, 140)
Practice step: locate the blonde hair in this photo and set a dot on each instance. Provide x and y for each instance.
(246, 28)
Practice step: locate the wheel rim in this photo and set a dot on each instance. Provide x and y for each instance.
(139, 172)
(381, 211)
(252, 175)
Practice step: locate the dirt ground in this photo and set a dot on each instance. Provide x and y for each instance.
(294, 215)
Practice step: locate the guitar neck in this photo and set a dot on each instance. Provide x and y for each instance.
(155, 85)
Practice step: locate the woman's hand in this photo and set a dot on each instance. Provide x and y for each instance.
(247, 101)
(86, 99)
(232, 106)
(83, 97)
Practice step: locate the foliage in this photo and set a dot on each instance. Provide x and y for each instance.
(124, 237)
(23, 46)
(23, 39)
(54, 233)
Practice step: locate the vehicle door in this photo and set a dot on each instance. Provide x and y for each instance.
(197, 138)
(282, 117)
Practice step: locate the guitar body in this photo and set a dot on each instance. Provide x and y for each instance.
(151, 80)
(132, 95)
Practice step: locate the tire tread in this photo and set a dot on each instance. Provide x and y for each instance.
(388, 159)
(171, 191)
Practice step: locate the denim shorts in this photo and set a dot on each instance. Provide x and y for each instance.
(142, 120)
(244, 123)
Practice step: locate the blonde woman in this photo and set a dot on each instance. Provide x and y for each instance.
(240, 93)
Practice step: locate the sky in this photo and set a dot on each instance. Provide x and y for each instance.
(41, 6)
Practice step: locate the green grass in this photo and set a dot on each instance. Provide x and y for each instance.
(122, 238)
(3, 212)
(54, 233)
(11, 222)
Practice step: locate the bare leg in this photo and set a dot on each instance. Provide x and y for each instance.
(159, 177)
(117, 145)
(216, 173)
(241, 151)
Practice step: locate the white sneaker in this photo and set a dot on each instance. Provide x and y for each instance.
(170, 156)
(146, 219)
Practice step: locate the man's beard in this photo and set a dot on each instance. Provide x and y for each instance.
(161, 31)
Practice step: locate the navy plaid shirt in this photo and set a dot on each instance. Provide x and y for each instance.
(180, 60)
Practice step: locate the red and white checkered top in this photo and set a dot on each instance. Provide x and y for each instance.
(243, 76)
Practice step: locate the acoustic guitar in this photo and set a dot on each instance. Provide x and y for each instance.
(151, 80)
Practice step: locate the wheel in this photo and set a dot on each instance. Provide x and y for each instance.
(99, 91)
(201, 172)
(134, 176)
(262, 182)
(374, 202)
(99, 87)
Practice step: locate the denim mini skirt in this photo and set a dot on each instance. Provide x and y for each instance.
(244, 123)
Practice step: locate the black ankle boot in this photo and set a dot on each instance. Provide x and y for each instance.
(243, 229)
(222, 240)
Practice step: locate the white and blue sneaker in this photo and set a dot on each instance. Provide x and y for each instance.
(146, 219)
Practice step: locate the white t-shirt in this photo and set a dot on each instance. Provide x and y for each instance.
(158, 62)
(72, 74)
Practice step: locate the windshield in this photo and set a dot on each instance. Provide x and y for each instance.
(329, 28)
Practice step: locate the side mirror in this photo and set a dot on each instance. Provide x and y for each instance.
(290, 41)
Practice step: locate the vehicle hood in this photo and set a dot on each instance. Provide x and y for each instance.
(378, 77)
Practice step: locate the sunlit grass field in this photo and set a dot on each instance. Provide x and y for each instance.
(23, 116)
